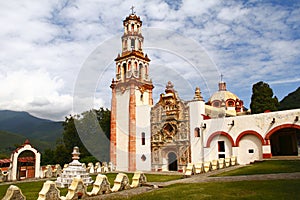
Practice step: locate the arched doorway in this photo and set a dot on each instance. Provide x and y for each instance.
(26, 165)
(285, 142)
(172, 161)
(25, 162)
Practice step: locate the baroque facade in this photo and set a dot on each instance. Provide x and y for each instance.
(174, 132)
(170, 137)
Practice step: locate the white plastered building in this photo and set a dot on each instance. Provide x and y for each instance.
(173, 132)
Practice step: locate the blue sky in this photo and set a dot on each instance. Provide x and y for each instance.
(45, 45)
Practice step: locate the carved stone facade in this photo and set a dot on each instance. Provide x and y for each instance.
(170, 140)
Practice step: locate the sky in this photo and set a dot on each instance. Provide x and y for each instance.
(58, 55)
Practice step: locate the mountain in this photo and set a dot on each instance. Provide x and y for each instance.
(10, 141)
(29, 126)
(18, 126)
(291, 101)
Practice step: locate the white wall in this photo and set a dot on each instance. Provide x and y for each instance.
(249, 142)
(213, 150)
(139, 101)
(260, 123)
(196, 108)
(143, 125)
(122, 130)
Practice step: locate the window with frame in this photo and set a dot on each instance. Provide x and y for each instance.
(132, 43)
(197, 132)
(216, 104)
(230, 103)
(221, 146)
(143, 138)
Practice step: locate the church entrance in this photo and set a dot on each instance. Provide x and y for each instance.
(26, 165)
(172, 161)
(285, 142)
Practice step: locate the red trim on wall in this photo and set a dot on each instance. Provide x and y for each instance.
(281, 127)
(211, 137)
(113, 125)
(132, 130)
(249, 132)
(267, 155)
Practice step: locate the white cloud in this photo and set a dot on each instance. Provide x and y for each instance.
(45, 44)
(34, 91)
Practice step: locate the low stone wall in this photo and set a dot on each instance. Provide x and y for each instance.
(203, 167)
(77, 189)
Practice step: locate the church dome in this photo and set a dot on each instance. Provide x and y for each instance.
(226, 99)
(223, 96)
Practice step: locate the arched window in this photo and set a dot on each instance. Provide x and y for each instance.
(129, 65)
(216, 104)
(135, 66)
(230, 103)
(132, 45)
(125, 45)
(132, 27)
(143, 138)
(197, 132)
(141, 71)
(142, 96)
(123, 71)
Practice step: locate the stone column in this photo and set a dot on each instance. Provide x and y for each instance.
(132, 130)
(113, 126)
(150, 97)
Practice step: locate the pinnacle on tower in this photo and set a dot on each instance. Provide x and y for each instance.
(198, 96)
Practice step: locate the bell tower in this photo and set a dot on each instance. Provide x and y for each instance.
(131, 101)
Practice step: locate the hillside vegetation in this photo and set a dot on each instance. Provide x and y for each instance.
(291, 101)
(16, 127)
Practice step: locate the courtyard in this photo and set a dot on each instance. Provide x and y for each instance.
(269, 179)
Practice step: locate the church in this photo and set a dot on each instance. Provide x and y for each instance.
(169, 134)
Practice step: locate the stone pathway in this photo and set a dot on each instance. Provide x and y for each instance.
(201, 178)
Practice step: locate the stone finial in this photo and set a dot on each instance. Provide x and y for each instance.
(57, 171)
(77, 190)
(13, 192)
(121, 183)
(222, 86)
(48, 171)
(101, 186)
(198, 96)
(138, 179)
(91, 168)
(49, 191)
(169, 87)
(26, 142)
(75, 153)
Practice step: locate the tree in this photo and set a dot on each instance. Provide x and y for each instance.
(103, 116)
(262, 98)
(48, 157)
(70, 138)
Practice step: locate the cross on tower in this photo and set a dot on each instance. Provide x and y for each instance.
(132, 10)
(222, 77)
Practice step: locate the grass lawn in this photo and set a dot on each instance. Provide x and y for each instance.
(32, 189)
(150, 177)
(275, 189)
(266, 167)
